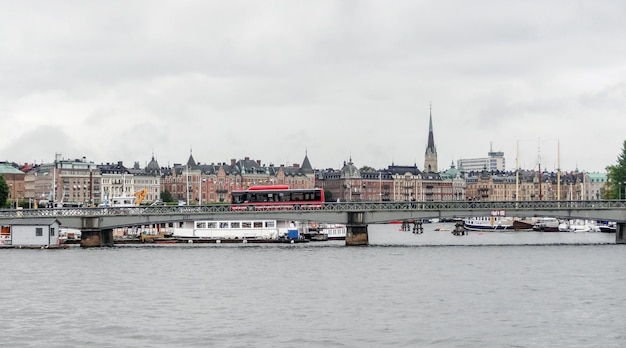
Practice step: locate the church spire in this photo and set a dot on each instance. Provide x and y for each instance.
(430, 157)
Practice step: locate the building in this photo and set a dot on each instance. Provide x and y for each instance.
(493, 162)
(148, 178)
(594, 185)
(435, 188)
(531, 185)
(196, 183)
(64, 181)
(31, 233)
(457, 179)
(406, 182)
(15, 179)
(120, 181)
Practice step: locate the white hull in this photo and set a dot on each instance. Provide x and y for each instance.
(334, 231)
(546, 224)
(491, 223)
(579, 226)
(241, 229)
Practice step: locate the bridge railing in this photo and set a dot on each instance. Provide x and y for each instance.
(329, 206)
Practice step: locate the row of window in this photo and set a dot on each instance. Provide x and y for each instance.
(39, 232)
(235, 224)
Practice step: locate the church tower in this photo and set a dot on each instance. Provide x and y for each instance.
(430, 157)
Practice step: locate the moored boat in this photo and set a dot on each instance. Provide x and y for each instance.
(488, 223)
(314, 233)
(523, 224)
(240, 229)
(578, 226)
(608, 227)
(546, 224)
(334, 231)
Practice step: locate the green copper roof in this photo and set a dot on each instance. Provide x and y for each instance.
(7, 169)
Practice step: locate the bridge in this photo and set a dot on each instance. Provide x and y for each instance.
(356, 215)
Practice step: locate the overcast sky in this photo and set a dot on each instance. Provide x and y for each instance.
(273, 80)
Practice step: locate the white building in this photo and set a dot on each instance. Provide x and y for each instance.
(493, 162)
(31, 233)
(119, 181)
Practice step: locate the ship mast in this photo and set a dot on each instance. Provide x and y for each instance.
(517, 173)
(558, 170)
(539, 161)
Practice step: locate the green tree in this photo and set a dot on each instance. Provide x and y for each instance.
(328, 196)
(366, 169)
(4, 191)
(166, 196)
(617, 176)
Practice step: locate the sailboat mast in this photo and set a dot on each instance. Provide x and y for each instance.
(517, 173)
(539, 162)
(558, 170)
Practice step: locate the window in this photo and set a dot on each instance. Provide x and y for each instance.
(38, 231)
(52, 232)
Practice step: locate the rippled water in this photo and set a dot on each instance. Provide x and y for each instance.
(519, 289)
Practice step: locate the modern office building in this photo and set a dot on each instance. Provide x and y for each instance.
(493, 162)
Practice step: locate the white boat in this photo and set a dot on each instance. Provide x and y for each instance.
(578, 226)
(240, 229)
(488, 223)
(546, 224)
(66, 234)
(334, 231)
(609, 227)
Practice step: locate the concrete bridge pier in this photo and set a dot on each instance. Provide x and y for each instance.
(95, 238)
(620, 233)
(356, 233)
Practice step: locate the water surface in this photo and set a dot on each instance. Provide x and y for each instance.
(503, 289)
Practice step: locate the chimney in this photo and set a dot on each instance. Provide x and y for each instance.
(258, 162)
(232, 161)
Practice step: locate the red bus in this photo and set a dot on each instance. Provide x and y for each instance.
(277, 197)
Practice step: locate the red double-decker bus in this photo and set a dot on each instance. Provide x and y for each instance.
(277, 197)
